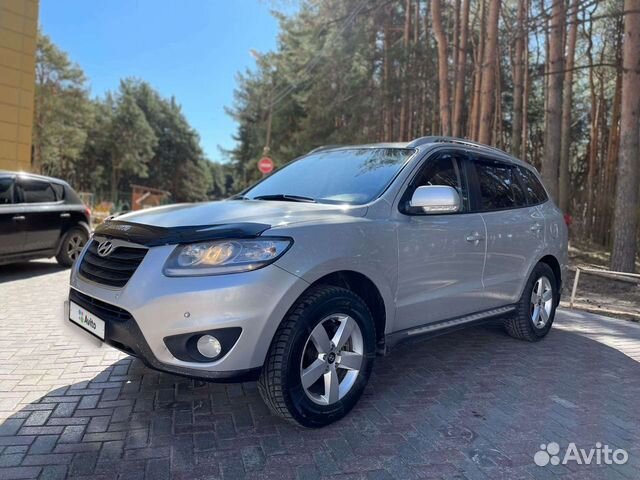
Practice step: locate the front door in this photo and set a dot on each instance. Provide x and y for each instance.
(441, 256)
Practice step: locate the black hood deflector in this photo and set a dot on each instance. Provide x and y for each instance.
(153, 236)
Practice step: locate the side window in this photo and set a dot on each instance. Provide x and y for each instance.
(6, 191)
(499, 187)
(36, 191)
(59, 189)
(534, 190)
(442, 170)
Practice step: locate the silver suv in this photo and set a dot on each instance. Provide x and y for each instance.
(301, 280)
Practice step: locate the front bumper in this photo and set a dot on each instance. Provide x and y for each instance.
(158, 307)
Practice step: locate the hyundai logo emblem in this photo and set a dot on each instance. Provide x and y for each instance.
(105, 248)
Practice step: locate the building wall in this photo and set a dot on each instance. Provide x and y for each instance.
(18, 31)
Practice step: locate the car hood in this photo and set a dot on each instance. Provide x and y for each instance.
(214, 220)
(273, 213)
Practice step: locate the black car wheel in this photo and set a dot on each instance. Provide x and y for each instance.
(71, 246)
(320, 358)
(536, 309)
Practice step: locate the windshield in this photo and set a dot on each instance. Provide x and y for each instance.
(354, 176)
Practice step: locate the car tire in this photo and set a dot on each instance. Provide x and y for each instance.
(536, 309)
(297, 351)
(72, 244)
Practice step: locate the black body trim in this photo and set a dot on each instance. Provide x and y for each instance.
(183, 346)
(393, 339)
(153, 236)
(122, 332)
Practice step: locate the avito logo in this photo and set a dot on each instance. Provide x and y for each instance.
(600, 455)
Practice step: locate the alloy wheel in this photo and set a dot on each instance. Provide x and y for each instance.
(332, 358)
(541, 302)
(74, 246)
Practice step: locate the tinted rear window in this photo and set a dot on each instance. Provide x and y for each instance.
(533, 188)
(37, 191)
(499, 187)
(59, 189)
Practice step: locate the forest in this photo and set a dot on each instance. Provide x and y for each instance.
(130, 136)
(553, 82)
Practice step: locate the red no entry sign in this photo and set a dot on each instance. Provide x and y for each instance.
(265, 165)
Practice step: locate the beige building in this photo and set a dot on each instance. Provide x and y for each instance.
(18, 31)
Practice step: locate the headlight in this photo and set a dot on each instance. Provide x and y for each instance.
(224, 256)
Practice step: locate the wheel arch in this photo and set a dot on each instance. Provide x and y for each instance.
(365, 288)
(554, 264)
(81, 224)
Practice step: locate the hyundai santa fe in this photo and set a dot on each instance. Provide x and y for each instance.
(302, 279)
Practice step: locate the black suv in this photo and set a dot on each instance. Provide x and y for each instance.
(40, 217)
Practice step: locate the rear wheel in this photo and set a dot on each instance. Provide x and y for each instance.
(72, 244)
(320, 358)
(537, 307)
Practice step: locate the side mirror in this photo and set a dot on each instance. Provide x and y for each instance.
(436, 199)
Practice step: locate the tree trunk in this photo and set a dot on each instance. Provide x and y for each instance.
(115, 180)
(487, 92)
(553, 133)
(460, 71)
(496, 138)
(405, 69)
(518, 80)
(566, 108)
(387, 121)
(625, 216)
(443, 68)
(525, 93)
(613, 148)
(478, 54)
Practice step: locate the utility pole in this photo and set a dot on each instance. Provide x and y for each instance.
(267, 142)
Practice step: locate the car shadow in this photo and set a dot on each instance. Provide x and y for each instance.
(24, 270)
(471, 404)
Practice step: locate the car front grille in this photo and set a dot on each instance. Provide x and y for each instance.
(103, 310)
(115, 269)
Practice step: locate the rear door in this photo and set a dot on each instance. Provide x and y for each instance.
(440, 257)
(12, 231)
(515, 229)
(43, 222)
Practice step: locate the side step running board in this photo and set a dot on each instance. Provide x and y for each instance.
(460, 321)
(445, 326)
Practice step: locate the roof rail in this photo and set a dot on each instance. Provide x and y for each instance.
(461, 141)
(323, 147)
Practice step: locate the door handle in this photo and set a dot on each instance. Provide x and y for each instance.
(65, 215)
(474, 237)
(19, 218)
(536, 227)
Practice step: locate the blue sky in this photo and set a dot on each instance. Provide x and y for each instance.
(191, 49)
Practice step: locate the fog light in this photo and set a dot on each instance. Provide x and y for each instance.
(209, 346)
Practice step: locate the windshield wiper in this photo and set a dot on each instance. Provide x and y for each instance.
(286, 198)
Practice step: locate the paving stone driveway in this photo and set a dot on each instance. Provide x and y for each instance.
(470, 405)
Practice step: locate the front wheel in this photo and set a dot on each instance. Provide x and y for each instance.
(71, 246)
(536, 309)
(320, 359)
